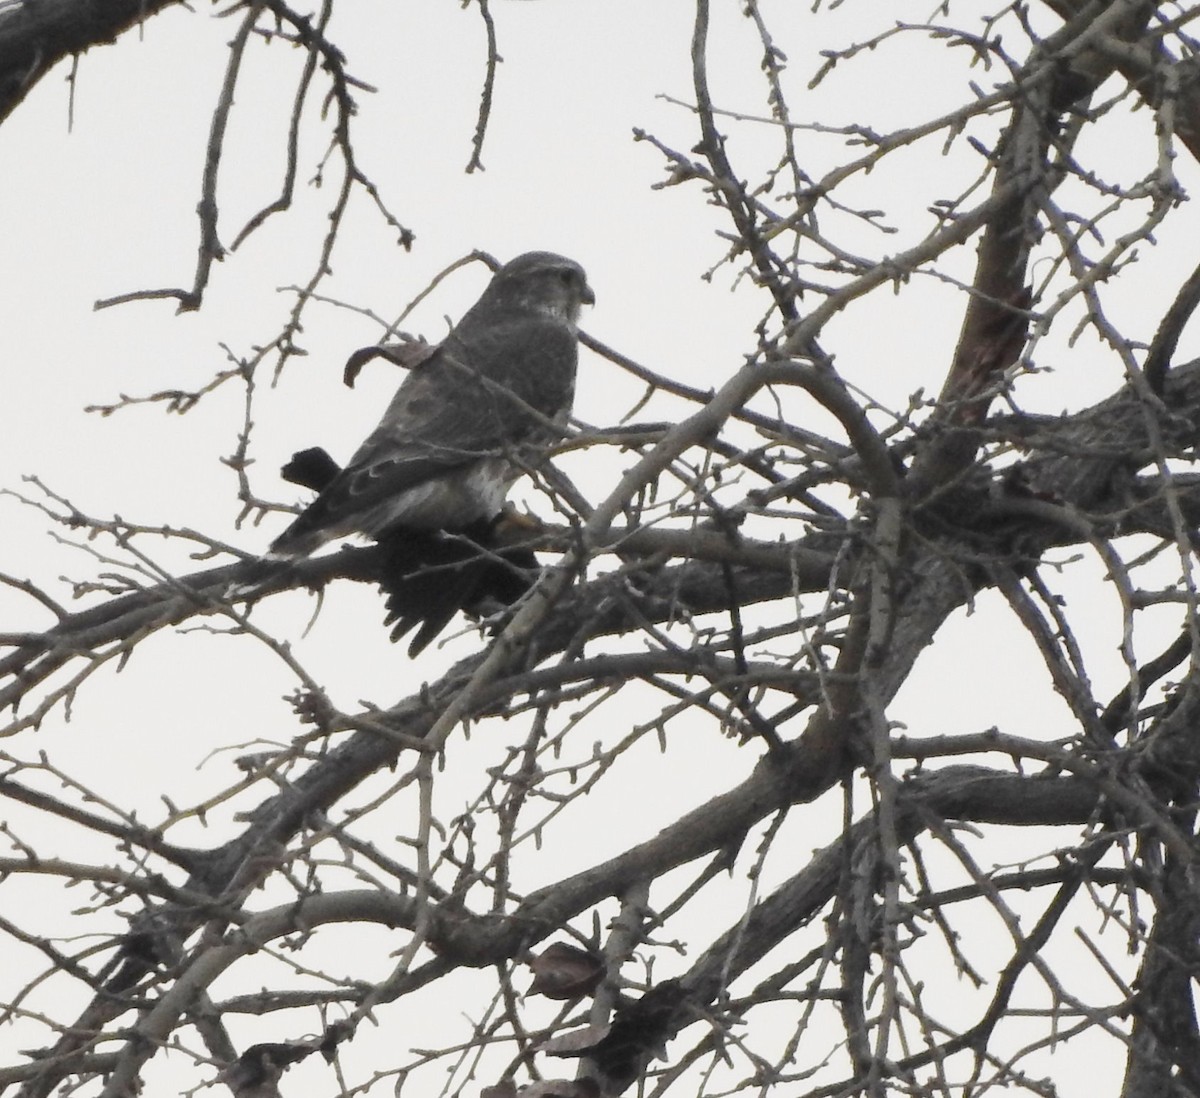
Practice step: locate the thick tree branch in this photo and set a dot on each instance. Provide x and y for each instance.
(34, 37)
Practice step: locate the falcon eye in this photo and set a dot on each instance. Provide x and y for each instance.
(566, 276)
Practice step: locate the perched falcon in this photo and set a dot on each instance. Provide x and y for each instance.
(468, 419)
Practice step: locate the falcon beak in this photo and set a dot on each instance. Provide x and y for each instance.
(587, 296)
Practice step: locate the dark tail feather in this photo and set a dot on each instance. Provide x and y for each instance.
(312, 468)
(429, 576)
(315, 469)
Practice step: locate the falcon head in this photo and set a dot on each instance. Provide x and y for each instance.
(540, 282)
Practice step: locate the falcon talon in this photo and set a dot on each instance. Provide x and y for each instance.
(512, 519)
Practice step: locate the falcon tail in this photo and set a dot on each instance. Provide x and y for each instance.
(312, 468)
(427, 576)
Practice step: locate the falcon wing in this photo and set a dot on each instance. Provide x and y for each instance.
(398, 456)
(428, 576)
(443, 454)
